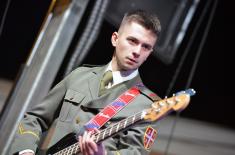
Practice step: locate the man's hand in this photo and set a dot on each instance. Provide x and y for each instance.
(88, 146)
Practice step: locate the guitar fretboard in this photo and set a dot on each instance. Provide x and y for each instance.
(105, 133)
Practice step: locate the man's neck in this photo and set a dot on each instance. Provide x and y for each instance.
(115, 67)
(121, 76)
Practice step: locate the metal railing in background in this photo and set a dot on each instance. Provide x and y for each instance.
(42, 66)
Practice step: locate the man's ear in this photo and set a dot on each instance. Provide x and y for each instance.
(114, 39)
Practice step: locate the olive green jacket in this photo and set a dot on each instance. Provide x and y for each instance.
(61, 110)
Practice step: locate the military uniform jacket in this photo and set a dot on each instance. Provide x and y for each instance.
(72, 103)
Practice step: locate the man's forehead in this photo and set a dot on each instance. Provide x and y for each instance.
(140, 32)
(132, 23)
(135, 27)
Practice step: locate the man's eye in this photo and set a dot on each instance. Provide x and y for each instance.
(133, 41)
(147, 47)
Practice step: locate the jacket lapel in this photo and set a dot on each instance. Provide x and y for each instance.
(113, 94)
(94, 83)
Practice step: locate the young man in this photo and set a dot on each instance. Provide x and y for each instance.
(78, 98)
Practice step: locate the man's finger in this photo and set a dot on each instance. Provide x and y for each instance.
(80, 143)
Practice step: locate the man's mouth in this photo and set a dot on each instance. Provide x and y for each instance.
(132, 60)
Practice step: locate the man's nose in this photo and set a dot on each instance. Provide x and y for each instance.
(136, 51)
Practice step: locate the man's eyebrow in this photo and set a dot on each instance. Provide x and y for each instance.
(137, 40)
(131, 37)
(146, 44)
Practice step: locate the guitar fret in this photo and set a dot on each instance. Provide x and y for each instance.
(117, 127)
(110, 130)
(122, 124)
(133, 119)
(98, 136)
(125, 123)
(114, 128)
(129, 121)
(104, 134)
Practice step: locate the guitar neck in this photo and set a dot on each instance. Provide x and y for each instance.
(105, 133)
(115, 128)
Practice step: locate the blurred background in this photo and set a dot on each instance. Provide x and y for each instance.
(42, 41)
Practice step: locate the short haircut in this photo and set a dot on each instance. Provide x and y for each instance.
(146, 19)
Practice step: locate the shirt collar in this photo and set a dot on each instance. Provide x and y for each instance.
(121, 76)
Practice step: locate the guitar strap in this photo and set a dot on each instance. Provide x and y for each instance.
(113, 108)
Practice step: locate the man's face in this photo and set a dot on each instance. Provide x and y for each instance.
(133, 44)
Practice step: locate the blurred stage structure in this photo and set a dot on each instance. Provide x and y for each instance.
(175, 16)
(72, 26)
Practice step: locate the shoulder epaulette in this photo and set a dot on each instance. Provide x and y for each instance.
(148, 93)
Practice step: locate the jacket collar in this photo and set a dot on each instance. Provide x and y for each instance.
(94, 83)
(102, 101)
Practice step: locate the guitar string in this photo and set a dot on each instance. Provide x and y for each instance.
(113, 129)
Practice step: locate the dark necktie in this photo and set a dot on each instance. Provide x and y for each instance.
(107, 78)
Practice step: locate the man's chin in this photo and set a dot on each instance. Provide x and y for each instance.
(129, 67)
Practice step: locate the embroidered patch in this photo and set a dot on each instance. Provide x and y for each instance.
(23, 131)
(112, 109)
(149, 137)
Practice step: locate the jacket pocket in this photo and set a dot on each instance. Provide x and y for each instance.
(70, 105)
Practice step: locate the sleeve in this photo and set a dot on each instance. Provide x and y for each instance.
(37, 120)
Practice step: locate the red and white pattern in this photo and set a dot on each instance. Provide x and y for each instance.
(149, 137)
(112, 109)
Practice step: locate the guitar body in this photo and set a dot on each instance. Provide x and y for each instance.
(65, 142)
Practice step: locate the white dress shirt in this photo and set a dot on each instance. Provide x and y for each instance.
(121, 76)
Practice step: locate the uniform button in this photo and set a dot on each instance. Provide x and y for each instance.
(77, 120)
(71, 98)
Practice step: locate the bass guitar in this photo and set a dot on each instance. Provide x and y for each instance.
(158, 109)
